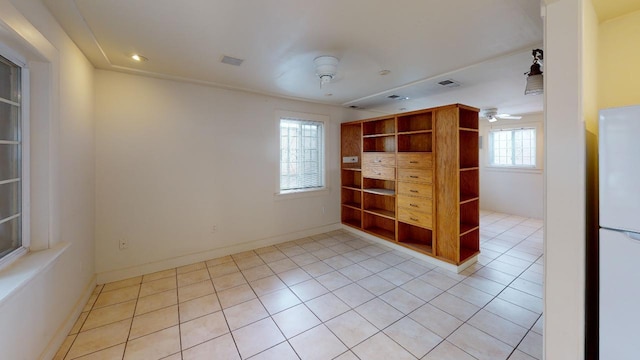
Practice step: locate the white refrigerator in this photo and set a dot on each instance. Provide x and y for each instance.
(619, 168)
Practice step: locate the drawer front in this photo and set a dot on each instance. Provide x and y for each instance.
(414, 203)
(415, 175)
(379, 172)
(415, 160)
(416, 189)
(415, 217)
(379, 159)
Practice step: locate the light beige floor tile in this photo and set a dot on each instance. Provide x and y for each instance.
(309, 289)
(282, 265)
(327, 306)
(333, 280)
(100, 338)
(201, 306)
(448, 351)
(537, 327)
(295, 320)
(318, 268)
(412, 268)
(236, 295)
(484, 284)
(196, 290)
(202, 329)
(193, 277)
(351, 328)
(279, 300)
(156, 286)
(436, 320)
(267, 285)
(338, 261)
(159, 275)
(258, 272)
(294, 276)
(470, 294)
(421, 289)
(532, 345)
(112, 353)
(376, 285)
(500, 328)
(221, 347)
(154, 346)
(528, 287)
(244, 254)
(120, 295)
(356, 272)
(176, 356)
(495, 275)
(92, 300)
(391, 258)
(282, 351)
(218, 261)
(228, 281)
(272, 256)
(353, 295)
(191, 267)
(122, 283)
(156, 301)
(381, 347)
(414, 337)
(64, 348)
(244, 314)
(519, 355)
(455, 306)
(379, 313)
(529, 302)
(223, 269)
(109, 314)
(402, 300)
(347, 356)
(307, 259)
(293, 251)
(512, 312)
(324, 253)
(78, 325)
(479, 344)
(257, 337)
(154, 321)
(249, 262)
(438, 280)
(306, 344)
(98, 289)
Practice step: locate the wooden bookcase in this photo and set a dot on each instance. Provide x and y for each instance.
(416, 180)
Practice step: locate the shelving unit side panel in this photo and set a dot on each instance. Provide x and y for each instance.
(447, 183)
(351, 144)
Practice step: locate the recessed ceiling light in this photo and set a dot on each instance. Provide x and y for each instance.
(384, 72)
(139, 58)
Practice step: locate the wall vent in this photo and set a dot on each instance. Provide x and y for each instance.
(449, 83)
(231, 60)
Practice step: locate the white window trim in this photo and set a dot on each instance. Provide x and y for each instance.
(537, 169)
(301, 193)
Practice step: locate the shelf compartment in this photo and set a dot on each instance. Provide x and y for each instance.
(381, 187)
(469, 216)
(351, 178)
(415, 237)
(415, 122)
(468, 119)
(351, 216)
(379, 127)
(468, 149)
(380, 204)
(385, 143)
(469, 245)
(469, 185)
(352, 198)
(419, 142)
(380, 226)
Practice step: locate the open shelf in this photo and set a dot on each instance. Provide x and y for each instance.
(380, 187)
(386, 143)
(468, 149)
(468, 119)
(379, 127)
(415, 122)
(382, 192)
(380, 204)
(415, 237)
(352, 198)
(469, 185)
(469, 245)
(415, 142)
(351, 216)
(380, 226)
(469, 216)
(351, 178)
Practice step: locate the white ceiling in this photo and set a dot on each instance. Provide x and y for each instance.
(485, 45)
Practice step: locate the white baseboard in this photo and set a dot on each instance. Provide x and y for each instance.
(148, 268)
(64, 329)
(431, 260)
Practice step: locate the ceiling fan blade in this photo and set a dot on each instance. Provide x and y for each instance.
(508, 117)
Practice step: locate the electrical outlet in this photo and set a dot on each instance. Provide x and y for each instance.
(123, 244)
(214, 229)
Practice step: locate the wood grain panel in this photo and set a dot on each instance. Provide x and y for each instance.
(415, 175)
(379, 159)
(416, 189)
(415, 203)
(379, 172)
(351, 143)
(415, 217)
(415, 160)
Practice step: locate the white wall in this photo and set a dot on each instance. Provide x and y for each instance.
(512, 191)
(175, 159)
(35, 319)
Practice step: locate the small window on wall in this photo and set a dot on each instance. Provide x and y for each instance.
(301, 155)
(512, 148)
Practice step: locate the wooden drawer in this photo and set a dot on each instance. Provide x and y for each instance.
(415, 175)
(415, 189)
(379, 172)
(415, 203)
(415, 160)
(415, 217)
(379, 159)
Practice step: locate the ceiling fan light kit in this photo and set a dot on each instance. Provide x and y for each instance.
(492, 115)
(535, 83)
(326, 68)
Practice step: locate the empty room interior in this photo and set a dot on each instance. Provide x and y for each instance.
(288, 179)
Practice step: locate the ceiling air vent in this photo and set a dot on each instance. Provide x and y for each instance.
(231, 60)
(449, 83)
(393, 96)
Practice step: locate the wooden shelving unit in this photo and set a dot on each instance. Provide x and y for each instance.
(416, 181)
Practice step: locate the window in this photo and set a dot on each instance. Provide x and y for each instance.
(10, 158)
(513, 147)
(301, 155)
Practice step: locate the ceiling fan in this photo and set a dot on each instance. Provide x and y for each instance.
(493, 116)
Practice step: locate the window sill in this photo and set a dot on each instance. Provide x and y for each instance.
(16, 276)
(524, 170)
(297, 194)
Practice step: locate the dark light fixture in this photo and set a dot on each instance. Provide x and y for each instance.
(535, 83)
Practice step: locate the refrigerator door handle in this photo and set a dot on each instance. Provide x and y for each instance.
(632, 235)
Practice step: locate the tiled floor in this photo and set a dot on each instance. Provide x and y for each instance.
(331, 296)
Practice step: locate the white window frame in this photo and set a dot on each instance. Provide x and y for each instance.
(18, 60)
(537, 168)
(315, 191)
